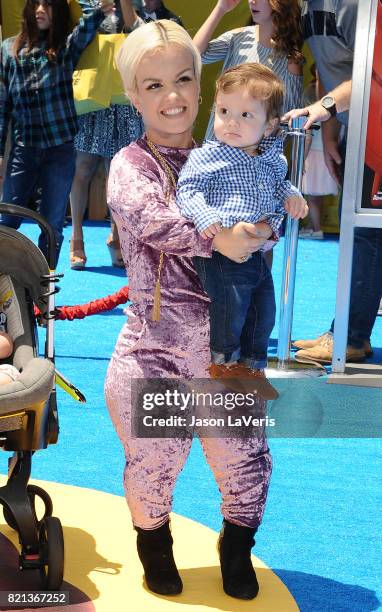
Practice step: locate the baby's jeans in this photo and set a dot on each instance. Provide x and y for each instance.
(242, 309)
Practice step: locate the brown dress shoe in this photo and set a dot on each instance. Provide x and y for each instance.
(242, 379)
(308, 344)
(323, 352)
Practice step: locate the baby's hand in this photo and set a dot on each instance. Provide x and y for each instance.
(211, 231)
(263, 230)
(296, 207)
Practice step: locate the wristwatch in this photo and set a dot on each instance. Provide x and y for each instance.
(329, 104)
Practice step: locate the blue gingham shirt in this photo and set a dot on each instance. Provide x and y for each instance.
(223, 184)
(36, 95)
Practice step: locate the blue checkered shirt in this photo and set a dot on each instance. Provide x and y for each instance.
(37, 95)
(222, 184)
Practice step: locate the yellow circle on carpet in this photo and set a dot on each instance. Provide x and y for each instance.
(102, 562)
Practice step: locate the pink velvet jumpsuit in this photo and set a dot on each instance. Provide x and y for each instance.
(175, 346)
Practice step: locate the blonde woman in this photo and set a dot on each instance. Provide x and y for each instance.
(160, 68)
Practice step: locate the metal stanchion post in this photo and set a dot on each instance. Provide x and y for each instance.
(283, 364)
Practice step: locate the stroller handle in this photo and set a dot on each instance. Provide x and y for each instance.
(20, 211)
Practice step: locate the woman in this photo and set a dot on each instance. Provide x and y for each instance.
(274, 40)
(36, 99)
(160, 68)
(101, 135)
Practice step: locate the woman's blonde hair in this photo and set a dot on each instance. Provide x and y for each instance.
(150, 37)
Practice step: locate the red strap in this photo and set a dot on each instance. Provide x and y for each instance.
(80, 311)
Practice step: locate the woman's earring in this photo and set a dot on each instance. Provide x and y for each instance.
(200, 99)
(136, 111)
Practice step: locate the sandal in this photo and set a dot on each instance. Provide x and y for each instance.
(77, 255)
(115, 253)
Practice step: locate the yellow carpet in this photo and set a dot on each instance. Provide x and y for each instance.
(101, 559)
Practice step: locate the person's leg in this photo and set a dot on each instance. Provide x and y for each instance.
(227, 285)
(268, 256)
(365, 289)
(315, 204)
(366, 281)
(242, 469)
(260, 317)
(152, 467)
(112, 241)
(57, 172)
(20, 180)
(230, 288)
(86, 164)
(366, 284)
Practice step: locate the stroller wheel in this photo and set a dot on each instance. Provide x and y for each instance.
(51, 542)
(32, 491)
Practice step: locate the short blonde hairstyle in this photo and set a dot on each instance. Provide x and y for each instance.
(150, 37)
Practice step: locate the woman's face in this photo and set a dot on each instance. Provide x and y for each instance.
(167, 95)
(43, 12)
(260, 10)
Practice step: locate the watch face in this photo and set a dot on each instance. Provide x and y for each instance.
(327, 102)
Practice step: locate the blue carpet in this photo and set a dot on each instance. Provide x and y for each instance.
(322, 528)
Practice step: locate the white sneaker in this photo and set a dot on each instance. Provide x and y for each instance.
(380, 308)
(317, 235)
(305, 232)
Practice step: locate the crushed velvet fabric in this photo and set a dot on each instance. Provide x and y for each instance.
(176, 346)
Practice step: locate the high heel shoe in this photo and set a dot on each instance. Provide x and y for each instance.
(78, 258)
(115, 254)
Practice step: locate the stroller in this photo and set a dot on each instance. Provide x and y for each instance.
(28, 411)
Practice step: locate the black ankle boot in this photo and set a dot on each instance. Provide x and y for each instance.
(239, 577)
(155, 552)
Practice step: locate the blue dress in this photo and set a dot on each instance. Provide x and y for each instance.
(107, 131)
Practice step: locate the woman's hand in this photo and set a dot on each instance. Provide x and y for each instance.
(227, 5)
(241, 240)
(205, 32)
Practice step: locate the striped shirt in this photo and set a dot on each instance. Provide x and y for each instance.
(36, 95)
(223, 184)
(241, 47)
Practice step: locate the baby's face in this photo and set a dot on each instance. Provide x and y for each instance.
(240, 119)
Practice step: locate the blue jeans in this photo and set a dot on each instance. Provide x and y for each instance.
(366, 281)
(53, 170)
(242, 309)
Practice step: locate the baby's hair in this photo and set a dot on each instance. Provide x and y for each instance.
(148, 38)
(261, 83)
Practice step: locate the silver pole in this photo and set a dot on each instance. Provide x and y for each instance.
(290, 249)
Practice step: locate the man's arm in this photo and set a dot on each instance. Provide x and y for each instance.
(316, 112)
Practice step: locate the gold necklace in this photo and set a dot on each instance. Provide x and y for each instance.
(171, 187)
(165, 166)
